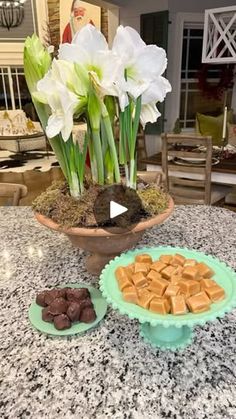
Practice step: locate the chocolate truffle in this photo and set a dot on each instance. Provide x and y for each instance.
(77, 294)
(40, 299)
(62, 322)
(88, 315)
(73, 311)
(51, 295)
(46, 315)
(86, 303)
(62, 292)
(58, 306)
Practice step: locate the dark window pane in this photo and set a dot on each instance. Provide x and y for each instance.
(196, 32)
(195, 54)
(185, 32)
(184, 53)
(190, 124)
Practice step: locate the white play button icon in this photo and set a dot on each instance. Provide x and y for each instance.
(116, 209)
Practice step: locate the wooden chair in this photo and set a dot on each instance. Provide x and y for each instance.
(196, 189)
(13, 193)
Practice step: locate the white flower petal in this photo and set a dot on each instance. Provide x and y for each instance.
(136, 87)
(67, 127)
(149, 113)
(54, 125)
(126, 42)
(134, 37)
(156, 91)
(46, 84)
(150, 62)
(73, 53)
(90, 39)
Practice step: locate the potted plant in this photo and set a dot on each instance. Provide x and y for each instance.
(105, 87)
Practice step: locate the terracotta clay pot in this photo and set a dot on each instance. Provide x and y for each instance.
(104, 245)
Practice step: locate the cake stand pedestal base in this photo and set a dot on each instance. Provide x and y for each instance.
(166, 337)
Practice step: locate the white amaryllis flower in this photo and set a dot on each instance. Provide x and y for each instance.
(143, 64)
(89, 48)
(62, 103)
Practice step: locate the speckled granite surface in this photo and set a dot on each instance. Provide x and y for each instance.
(109, 372)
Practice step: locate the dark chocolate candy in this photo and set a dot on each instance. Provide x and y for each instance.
(86, 303)
(58, 306)
(46, 315)
(40, 299)
(73, 311)
(62, 292)
(77, 294)
(62, 322)
(88, 315)
(51, 295)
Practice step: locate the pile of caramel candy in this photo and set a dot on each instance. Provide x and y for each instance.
(172, 284)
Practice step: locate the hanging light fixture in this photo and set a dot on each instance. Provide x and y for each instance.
(11, 13)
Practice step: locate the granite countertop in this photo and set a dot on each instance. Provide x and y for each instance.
(109, 372)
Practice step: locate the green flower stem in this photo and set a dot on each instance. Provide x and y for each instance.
(133, 174)
(75, 189)
(132, 142)
(127, 174)
(98, 156)
(111, 142)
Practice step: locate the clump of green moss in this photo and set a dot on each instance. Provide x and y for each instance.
(154, 199)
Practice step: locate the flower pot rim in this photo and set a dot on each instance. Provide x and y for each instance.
(100, 232)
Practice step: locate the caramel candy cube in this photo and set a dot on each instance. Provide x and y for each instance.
(143, 258)
(171, 290)
(157, 266)
(158, 286)
(216, 293)
(199, 303)
(189, 287)
(190, 262)
(175, 279)
(129, 270)
(139, 279)
(166, 259)
(124, 283)
(190, 272)
(207, 283)
(204, 270)
(178, 305)
(130, 295)
(178, 270)
(141, 267)
(144, 298)
(121, 272)
(152, 275)
(159, 305)
(168, 271)
(178, 260)
(167, 304)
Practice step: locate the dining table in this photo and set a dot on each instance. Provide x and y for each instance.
(109, 371)
(223, 172)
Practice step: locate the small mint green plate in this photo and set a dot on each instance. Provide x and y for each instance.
(100, 307)
(169, 331)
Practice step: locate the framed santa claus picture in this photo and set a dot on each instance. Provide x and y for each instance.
(75, 14)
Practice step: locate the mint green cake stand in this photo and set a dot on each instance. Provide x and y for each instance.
(169, 331)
